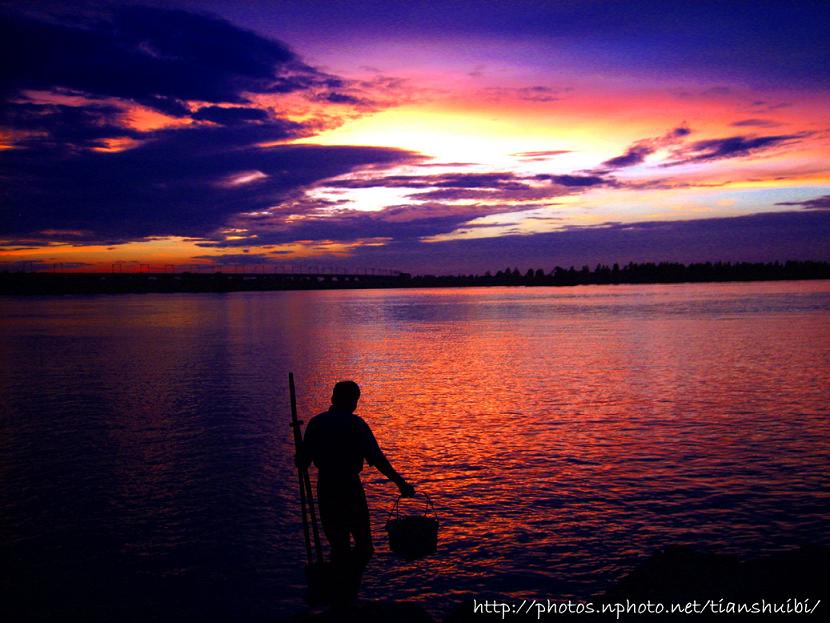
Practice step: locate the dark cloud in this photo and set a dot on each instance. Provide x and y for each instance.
(755, 123)
(473, 180)
(231, 115)
(57, 125)
(638, 152)
(456, 194)
(484, 181)
(489, 188)
(633, 155)
(183, 182)
(449, 180)
(731, 147)
(397, 222)
(76, 74)
(343, 98)
(346, 228)
(186, 182)
(699, 151)
(819, 203)
(157, 57)
(578, 181)
(508, 193)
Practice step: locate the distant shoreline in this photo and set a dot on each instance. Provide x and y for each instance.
(48, 283)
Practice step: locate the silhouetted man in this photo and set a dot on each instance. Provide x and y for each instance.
(338, 441)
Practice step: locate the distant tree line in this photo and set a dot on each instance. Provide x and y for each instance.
(633, 272)
(664, 272)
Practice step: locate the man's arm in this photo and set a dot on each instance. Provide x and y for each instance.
(375, 457)
(385, 467)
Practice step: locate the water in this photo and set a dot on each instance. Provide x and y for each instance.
(564, 433)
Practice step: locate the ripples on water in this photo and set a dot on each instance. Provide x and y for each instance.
(146, 461)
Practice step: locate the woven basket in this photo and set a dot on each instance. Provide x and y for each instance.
(413, 536)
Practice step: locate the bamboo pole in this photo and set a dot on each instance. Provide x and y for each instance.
(302, 473)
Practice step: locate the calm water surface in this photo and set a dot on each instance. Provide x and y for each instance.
(146, 458)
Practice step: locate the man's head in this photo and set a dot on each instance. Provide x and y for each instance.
(345, 396)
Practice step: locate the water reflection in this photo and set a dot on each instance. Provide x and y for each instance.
(563, 433)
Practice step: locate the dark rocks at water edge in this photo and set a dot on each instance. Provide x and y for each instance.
(677, 574)
(682, 574)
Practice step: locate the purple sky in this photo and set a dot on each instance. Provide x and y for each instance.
(460, 138)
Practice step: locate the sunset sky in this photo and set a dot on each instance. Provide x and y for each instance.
(419, 136)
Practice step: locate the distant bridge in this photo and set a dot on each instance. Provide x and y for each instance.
(134, 267)
(256, 269)
(219, 278)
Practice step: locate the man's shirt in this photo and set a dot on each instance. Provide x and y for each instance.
(338, 442)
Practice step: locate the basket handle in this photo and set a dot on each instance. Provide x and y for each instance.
(430, 508)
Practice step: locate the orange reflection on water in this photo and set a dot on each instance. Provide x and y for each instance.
(561, 432)
(557, 426)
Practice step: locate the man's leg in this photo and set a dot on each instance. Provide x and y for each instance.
(334, 502)
(361, 529)
(334, 517)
